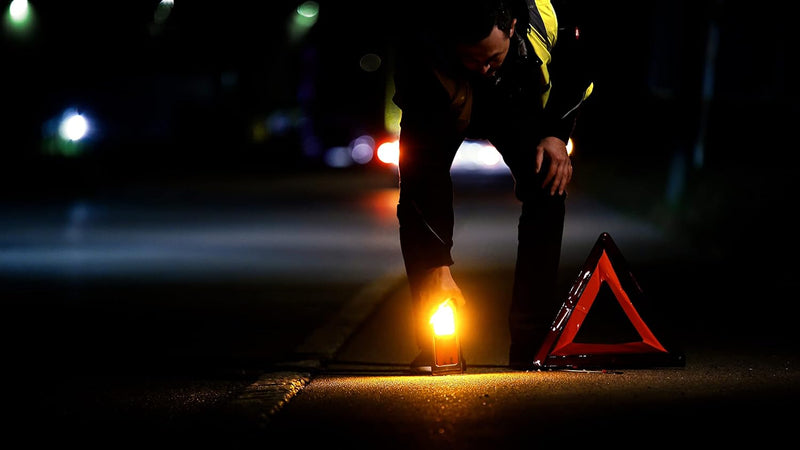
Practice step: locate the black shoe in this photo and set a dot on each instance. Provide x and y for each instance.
(423, 363)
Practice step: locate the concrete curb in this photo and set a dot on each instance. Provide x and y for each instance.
(260, 401)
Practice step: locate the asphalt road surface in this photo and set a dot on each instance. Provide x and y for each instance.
(251, 312)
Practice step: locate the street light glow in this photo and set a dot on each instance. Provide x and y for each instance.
(308, 9)
(73, 127)
(18, 10)
(19, 19)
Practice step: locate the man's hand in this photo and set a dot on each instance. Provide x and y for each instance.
(559, 173)
(438, 285)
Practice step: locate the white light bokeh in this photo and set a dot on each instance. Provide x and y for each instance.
(73, 126)
(363, 149)
(389, 152)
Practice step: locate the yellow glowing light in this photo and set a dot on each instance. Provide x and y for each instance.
(570, 145)
(444, 319)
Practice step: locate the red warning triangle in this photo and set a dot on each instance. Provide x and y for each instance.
(605, 267)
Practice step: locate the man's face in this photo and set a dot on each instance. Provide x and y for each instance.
(486, 56)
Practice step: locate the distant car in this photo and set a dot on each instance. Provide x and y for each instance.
(478, 157)
(473, 157)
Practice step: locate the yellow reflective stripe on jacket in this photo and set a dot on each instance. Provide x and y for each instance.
(586, 95)
(543, 40)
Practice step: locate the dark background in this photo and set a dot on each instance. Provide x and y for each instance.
(696, 93)
(690, 126)
(225, 64)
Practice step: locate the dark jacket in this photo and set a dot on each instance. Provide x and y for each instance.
(541, 77)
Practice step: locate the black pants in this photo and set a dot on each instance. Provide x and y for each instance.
(535, 300)
(430, 136)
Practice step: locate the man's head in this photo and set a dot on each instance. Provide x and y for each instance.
(481, 33)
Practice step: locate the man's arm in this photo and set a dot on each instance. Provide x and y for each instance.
(570, 79)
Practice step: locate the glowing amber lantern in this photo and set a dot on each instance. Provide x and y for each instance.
(446, 346)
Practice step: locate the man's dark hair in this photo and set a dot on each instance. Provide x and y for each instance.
(470, 21)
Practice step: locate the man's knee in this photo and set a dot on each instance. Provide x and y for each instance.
(531, 189)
